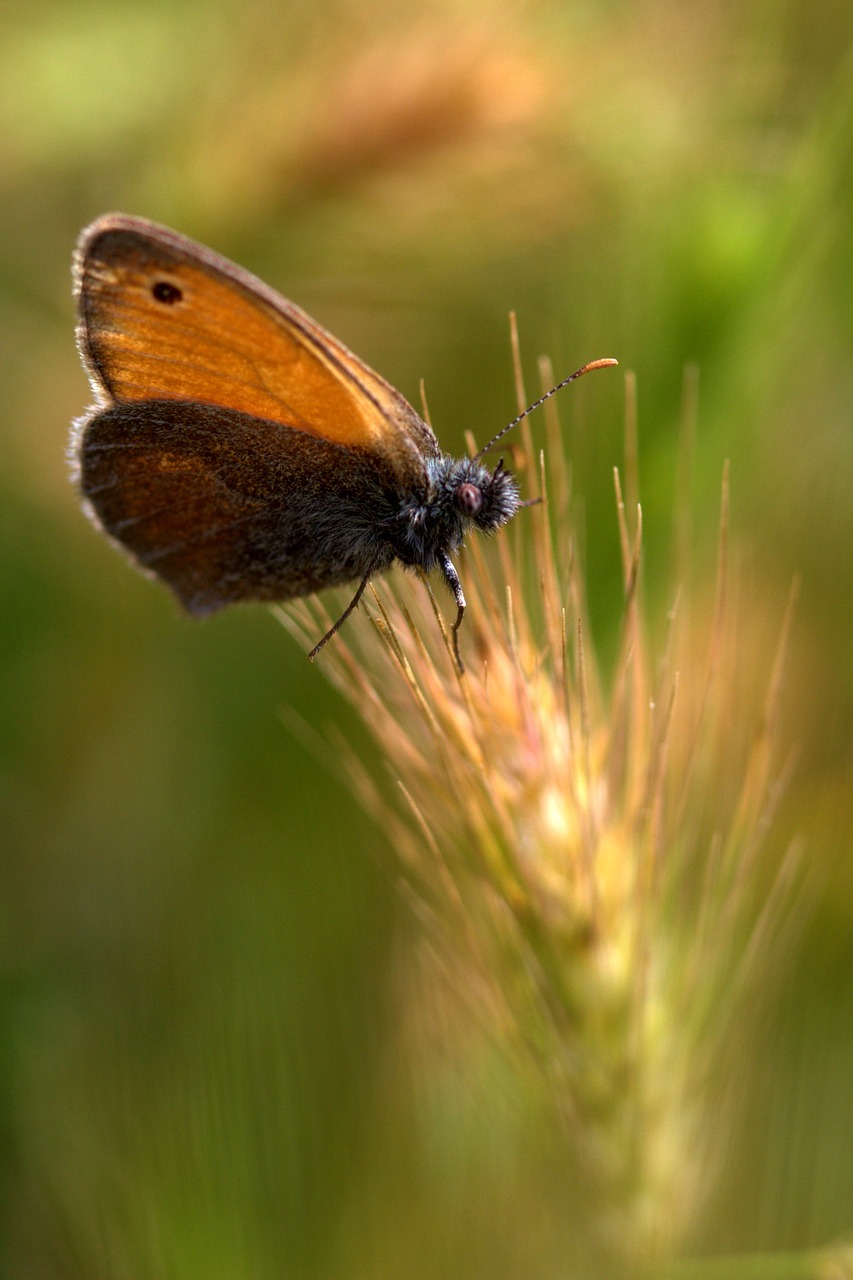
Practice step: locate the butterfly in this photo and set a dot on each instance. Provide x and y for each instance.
(237, 451)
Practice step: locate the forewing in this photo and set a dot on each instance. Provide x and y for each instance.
(163, 318)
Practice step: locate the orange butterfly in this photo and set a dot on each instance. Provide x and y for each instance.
(237, 451)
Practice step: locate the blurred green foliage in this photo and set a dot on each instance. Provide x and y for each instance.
(199, 944)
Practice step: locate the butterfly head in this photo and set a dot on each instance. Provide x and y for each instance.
(461, 493)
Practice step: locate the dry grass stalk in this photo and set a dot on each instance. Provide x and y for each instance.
(588, 850)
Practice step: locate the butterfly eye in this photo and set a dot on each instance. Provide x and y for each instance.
(469, 499)
(165, 291)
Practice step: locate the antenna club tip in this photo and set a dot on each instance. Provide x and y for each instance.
(604, 363)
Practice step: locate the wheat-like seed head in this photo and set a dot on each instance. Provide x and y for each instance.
(586, 849)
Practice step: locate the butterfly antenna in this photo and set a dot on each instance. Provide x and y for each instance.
(587, 368)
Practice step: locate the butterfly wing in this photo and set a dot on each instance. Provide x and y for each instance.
(163, 318)
(224, 506)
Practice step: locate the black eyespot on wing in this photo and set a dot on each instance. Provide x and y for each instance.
(165, 291)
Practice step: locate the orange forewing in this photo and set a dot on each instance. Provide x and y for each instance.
(223, 337)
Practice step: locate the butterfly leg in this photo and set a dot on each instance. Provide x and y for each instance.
(348, 610)
(451, 577)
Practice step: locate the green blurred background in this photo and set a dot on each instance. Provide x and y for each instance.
(201, 953)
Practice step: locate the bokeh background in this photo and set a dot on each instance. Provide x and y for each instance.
(202, 954)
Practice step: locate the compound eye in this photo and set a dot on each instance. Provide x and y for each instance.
(469, 499)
